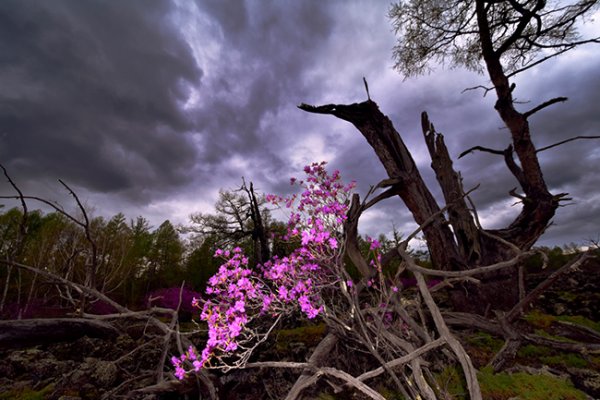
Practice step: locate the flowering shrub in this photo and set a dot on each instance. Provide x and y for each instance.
(169, 298)
(238, 295)
(35, 308)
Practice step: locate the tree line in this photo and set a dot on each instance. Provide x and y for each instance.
(133, 258)
(136, 259)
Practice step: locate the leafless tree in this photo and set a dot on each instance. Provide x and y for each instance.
(502, 38)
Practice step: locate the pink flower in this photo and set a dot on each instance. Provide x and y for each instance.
(333, 243)
(374, 243)
(237, 294)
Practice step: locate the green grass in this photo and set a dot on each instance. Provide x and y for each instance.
(539, 320)
(452, 382)
(543, 333)
(534, 351)
(486, 341)
(503, 386)
(310, 335)
(580, 320)
(548, 356)
(326, 396)
(27, 394)
(565, 360)
(568, 296)
(543, 321)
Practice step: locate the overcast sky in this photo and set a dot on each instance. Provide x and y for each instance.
(149, 107)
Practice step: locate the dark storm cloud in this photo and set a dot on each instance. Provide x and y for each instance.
(264, 52)
(161, 103)
(92, 92)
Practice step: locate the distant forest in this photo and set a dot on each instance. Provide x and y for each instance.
(139, 265)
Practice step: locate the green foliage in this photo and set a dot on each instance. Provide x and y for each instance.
(485, 340)
(310, 335)
(557, 257)
(539, 320)
(448, 32)
(282, 247)
(130, 259)
(27, 393)
(201, 264)
(580, 320)
(241, 219)
(533, 351)
(565, 360)
(503, 386)
(164, 258)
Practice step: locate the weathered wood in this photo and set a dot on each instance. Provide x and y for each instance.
(466, 245)
(540, 205)
(26, 332)
(459, 215)
(317, 359)
(400, 166)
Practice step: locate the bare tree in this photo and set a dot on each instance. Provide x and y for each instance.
(502, 38)
(239, 214)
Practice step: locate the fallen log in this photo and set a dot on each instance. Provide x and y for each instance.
(27, 332)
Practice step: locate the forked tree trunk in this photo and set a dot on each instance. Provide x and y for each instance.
(259, 234)
(465, 245)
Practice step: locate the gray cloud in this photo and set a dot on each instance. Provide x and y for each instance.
(92, 93)
(150, 107)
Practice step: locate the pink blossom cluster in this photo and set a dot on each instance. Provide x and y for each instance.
(231, 288)
(178, 362)
(238, 293)
(233, 291)
(317, 222)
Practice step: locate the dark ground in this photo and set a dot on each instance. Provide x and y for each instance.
(91, 368)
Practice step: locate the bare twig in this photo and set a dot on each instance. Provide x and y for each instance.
(485, 89)
(316, 360)
(525, 303)
(481, 148)
(91, 273)
(352, 381)
(404, 359)
(463, 358)
(566, 141)
(544, 105)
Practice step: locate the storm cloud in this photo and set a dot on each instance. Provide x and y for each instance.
(150, 107)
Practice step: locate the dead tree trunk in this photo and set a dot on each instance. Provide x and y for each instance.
(466, 245)
(259, 233)
(401, 168)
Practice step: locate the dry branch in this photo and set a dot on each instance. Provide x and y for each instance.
(566, 141)
(525, 303)
(463, 358)
(317, 359)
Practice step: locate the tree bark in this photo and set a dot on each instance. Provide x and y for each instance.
(400, 166)
(539, 205)
(460, 217)
(259, 234)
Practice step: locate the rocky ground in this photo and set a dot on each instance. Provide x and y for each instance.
(94, 368)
